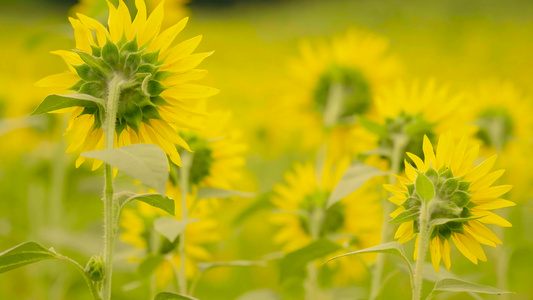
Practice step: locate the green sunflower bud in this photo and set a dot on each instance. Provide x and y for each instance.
(95, 268)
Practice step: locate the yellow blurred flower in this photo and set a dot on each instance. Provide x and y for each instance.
(156, 98)
(461, 191)
(355, 221)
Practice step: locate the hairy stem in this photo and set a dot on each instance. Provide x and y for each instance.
(109, 203)
(186, 159)
(423, 245)
(396, 160)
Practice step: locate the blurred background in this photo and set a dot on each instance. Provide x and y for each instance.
(43, 197)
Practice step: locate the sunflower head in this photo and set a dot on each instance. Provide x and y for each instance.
(151, 74)
(462, 202)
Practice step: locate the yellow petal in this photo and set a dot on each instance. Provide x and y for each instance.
(486, 181)
(61, 80)
(152, 26)
(70, 58)
(190, 91)
(445, 253)
(410, 171)
(462, 248)
(196, 74)
(490, 218)
(140, 18)
(418, 162)
(82, 35)
(116, 27)
(183, 49)
(125, 18)
(468, 160)
(188, 63)
(481, 170)
(429, 155)
(101, 31)
(165, 39)
(434, 249)
(491, 204)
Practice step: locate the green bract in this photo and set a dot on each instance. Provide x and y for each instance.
(139, 72)
(451, 202)
(95, 268)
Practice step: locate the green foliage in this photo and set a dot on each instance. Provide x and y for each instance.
(353, 179)
(206, 192)
(457, 286)
(144, 162)
(424, 187)
(172, 296)
(156, 200)
(55, 102)
(170, 227)
(24, 254)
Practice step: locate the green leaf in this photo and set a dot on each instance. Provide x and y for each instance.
(373, 127)
(221, 193)
(156, 200)
(457, 285)
(150, 264)
(424, 187)
(172, 296)
(262, 294)
(204, 266)
(294, 263)
(393, 248)
(24, 254)
(110, 53)
(170, 227)
(144, 162)
(354, 178)
(55, 102)
(407, 215)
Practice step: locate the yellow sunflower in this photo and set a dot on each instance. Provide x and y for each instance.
(462, 191)
(153, 75)
(355, 221)
(138, 231)
(336, 81)
(417, 109)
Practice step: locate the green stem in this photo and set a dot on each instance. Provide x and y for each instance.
(109, 203)
(186, 159)
(90, 283)
(423, 245)
(396, 159)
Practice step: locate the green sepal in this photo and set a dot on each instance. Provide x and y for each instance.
(97, 51)
(95, 89)
(86, 73)
(147, 68)
(76, 87)
(150, 112)
(155, 88)
(159, 101)
(134, 115)
(162, 75)
(110, 53)
(150, 58)
(460, 198)
(130, 46)
(97, 65)
(406, 215)
(132, 63)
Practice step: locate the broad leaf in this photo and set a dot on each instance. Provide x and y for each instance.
(407, 215)
(172, 296)
(376, 128)
(424, 187)
(155, 200)
(394, 248)
(24, 254)
(150, 264)
(262, 294)
(457, 285)
(294, 263)
(221, 193)
(171, 228)
(144, 162)
(55, 102)
(204, 266)
(354, 178)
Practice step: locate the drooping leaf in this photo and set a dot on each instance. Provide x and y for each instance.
(172, 296)
(394, 248)
(424, 187)
(294, 263)
(221, 193)
(262, 294)
(407, 215)
(156, 200)
(144, 162)
(170, 227)
(150, 264)
(204, 266)
(354, 178)
(457, 285)
(24, 254)
(55, 102)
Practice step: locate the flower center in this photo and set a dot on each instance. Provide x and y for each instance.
(318, 221)
(451, 201)
(348, 86)
(140, 86)
(202, 159)
(495, 127)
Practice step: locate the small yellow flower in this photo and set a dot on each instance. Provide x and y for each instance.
(302, 217)
(462, 191)
(156, 98)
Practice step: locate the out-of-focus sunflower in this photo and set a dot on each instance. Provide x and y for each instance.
(156, 98)
(336, 81)
(175, 10)
(354, 222)
(138, 230)
(461, 191)
(414, 110)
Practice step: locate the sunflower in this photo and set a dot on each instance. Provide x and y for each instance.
(336, 81)
(416, 110)
(156, 98)
(462, 191)
(355, 221)
(138, 231)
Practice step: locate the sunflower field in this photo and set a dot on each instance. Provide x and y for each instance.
(266, 150)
